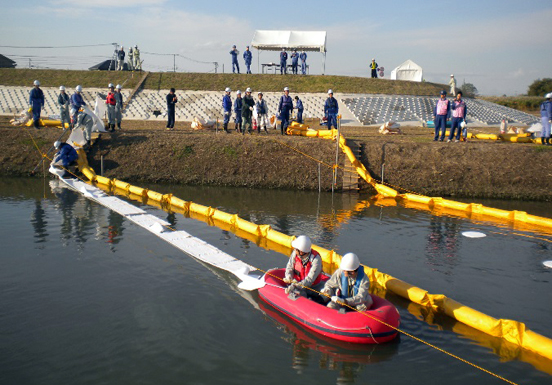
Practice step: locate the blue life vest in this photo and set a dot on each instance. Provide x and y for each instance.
(353, 290)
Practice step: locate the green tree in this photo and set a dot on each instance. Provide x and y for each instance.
(469, 90)
(540, 87)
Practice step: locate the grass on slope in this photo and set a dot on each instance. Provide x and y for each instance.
(217, 82)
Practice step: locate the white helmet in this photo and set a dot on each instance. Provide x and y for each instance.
(259, 93)
(36, 83)
(463, 124)
(248, 89)
(286, 88)
(227, 89)
(330, 92)
(548, 95)
(451, 75)
(302, 243)
(57, 144)
(78, 88)
(119, 86)
(62, 88)
(349, 262)
(110, 85)
(238, 92)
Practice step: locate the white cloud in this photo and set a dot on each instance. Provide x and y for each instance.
(107, 3)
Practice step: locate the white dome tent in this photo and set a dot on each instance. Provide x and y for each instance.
(408, 71)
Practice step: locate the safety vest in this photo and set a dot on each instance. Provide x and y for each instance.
(458, 112)
(347, 290)
(301, 270)
(373, 65)
(442, 106)
(110, 99)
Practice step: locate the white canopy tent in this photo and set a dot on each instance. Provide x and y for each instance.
(408, 71)
(313, 41)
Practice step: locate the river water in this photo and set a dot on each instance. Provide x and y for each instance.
(87, 297)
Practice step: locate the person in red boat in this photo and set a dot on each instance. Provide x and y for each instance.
(349, 285)
(304, 268)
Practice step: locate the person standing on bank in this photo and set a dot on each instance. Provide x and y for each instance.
(36, 101)
(459, 111)
(247, 111)
(110, 102)
(331, 109)
(546, 115)
(283, 61)
(121, 59)
(77, 102)
(300, 108)
(294, 62)
(235, 65)
(238, 104)
(374, 68)
(63, 103)
(452, 84)
(226, 108)
(247, 57)
(441, 112)
(303, 58)
(171, 108)
(118, 105)
(284, 108)
(262, 113)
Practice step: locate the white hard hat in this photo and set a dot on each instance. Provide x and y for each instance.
(62, 88)
(330, 92)
(548, 95)
(302, 243)
(227, 89)
(349, 262)
(238, 92)
(110, 85)
(286, 88)
(463, 124)
(78, 88)
(259, 93)
(451, 75)
(119, 86)
(36, 83)
(57, 144)
(248, 89)
(373, 59)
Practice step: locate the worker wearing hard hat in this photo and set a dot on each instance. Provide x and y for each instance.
(284, 109)
(110, 102)
(283, 61)
(299, 107)
(238, 105)
(118, 105)
(349, 286)
(64, 103)
(441, 112)
(374, 68)
(262, 113)
(294, 61)
(331, 109)
(226, 108)
(304, 268)
(303, 58)
(121, 59)
(546, 115)
(234, 53)
(459, 111)
(36, 101)
(65, 156)
(247, 111)
(137, 63)
(247, 57)
(130, 62)
(452, 85)
(76, 103)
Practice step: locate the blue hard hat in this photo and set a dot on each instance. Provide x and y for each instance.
(443, 92)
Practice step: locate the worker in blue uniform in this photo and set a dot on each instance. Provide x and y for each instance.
(235, 65)
(283, 62)
(172, 99)
(247, 57)
(303, 58)
(546, 115)
(294, 62)
(76, 103)
(284, 108)
(300, 108)
(238, 105)
(331, 109)
(227, 108)
(441, 112)
(64, 103)
(36, 101)
(65, 155)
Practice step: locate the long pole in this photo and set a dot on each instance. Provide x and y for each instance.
(337, 150)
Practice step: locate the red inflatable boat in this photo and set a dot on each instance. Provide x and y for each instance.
(351, 326)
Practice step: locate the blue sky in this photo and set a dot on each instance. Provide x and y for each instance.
(499, 46)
